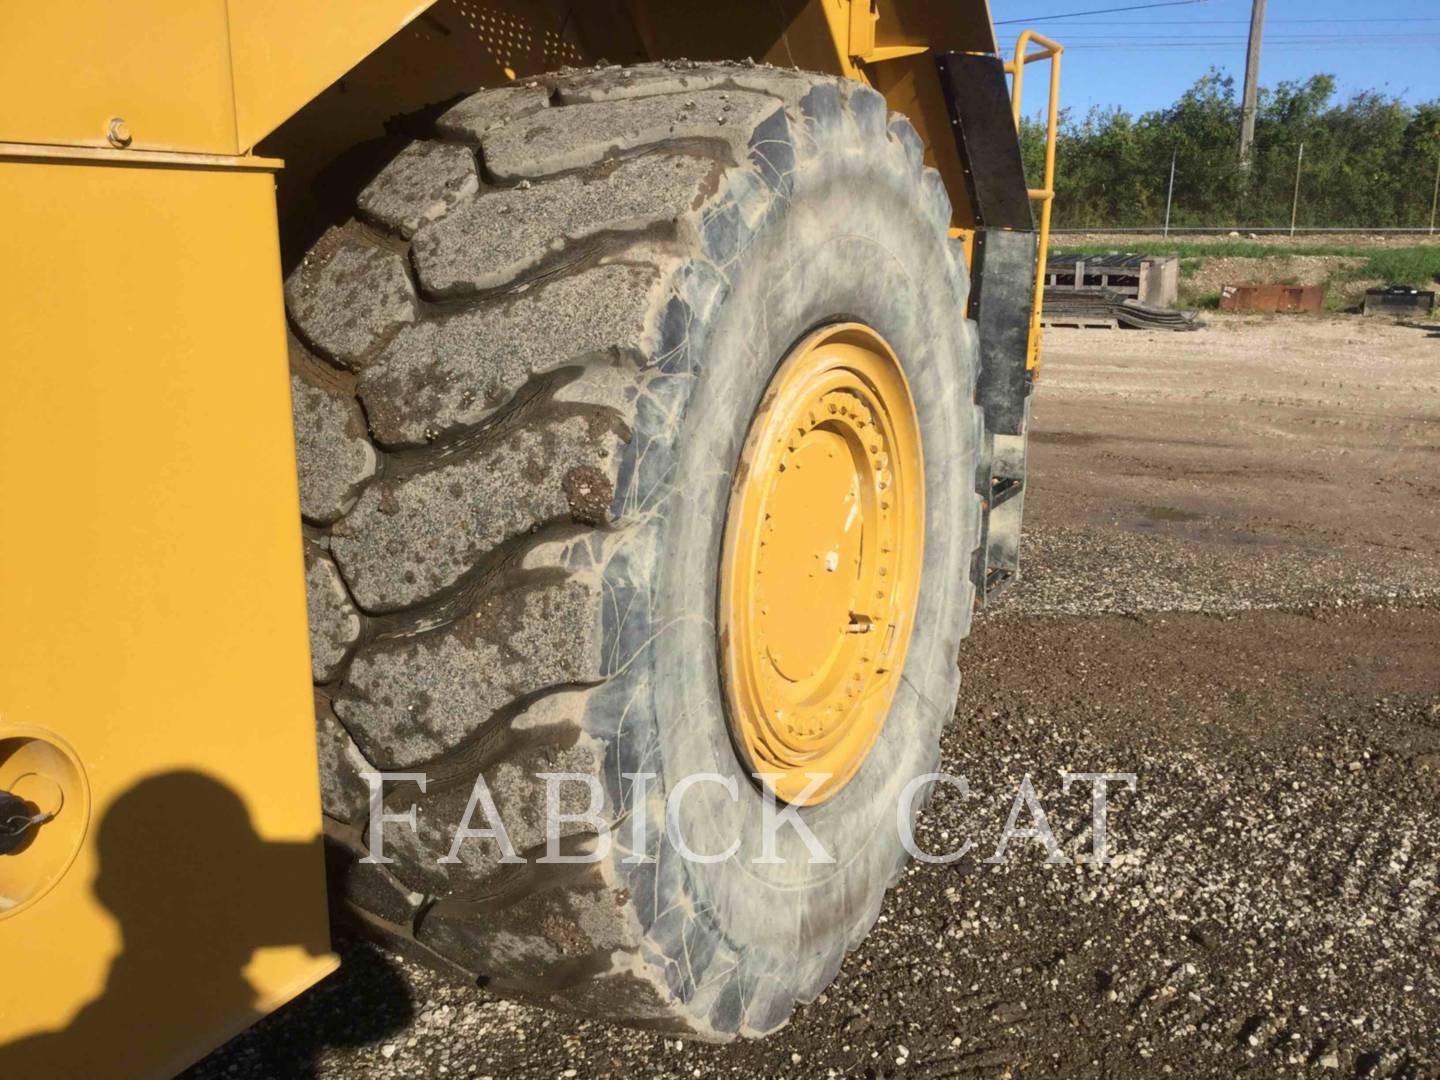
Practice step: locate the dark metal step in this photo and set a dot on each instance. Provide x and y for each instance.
(1004, 488)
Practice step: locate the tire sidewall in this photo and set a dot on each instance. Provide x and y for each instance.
(858, 238)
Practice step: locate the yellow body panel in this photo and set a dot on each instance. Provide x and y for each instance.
(202, 76)
(285, 53)
(69, 66)
(152, 613)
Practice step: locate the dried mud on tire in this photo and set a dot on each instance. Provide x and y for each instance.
(523, 375)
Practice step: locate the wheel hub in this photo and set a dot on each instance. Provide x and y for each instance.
(821, 568)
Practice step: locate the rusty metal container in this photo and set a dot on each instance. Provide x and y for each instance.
(1290, 299)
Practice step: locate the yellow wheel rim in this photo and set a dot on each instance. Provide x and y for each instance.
(820, 573)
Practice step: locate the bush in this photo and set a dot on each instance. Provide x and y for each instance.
(1369, 161)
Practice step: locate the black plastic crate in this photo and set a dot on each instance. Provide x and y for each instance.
(1399, 300)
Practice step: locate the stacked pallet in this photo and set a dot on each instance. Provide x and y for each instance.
(1151, 279)
(1107, 308)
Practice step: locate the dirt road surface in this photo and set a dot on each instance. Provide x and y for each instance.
(1232, 590)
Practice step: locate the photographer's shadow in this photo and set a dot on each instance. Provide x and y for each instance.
(196, 891)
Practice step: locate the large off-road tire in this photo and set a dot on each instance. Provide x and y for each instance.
(523, 376)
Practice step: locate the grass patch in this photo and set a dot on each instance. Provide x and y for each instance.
(1201, 249)
(1406, 266)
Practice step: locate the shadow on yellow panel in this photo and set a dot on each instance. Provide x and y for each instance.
(194, 891)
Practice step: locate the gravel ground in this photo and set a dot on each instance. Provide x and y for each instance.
(1232, 591)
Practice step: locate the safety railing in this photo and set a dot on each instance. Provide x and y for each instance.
(1045, 194)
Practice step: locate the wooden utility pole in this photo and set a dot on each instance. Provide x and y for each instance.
(1252, 76)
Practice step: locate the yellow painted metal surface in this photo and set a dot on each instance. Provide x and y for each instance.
(68, 67)
(860, 43)
(201, 76)
(152, 617)
(284, 53)
(958, 26)
(820, 573)
(1045, 193)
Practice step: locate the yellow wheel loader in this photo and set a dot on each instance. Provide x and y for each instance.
(657, 378)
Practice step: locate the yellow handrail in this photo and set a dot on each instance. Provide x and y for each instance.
(1044, 195)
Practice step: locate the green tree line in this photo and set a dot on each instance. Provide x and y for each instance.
(1369, 160)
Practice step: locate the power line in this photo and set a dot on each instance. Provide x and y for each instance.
(1328, 46)
(1101, 11)
(1211, 43)
(1237, 40)
(1236, 22)
(1287, 46)
(1217, 39)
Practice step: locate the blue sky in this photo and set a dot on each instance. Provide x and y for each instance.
(1118, 59)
